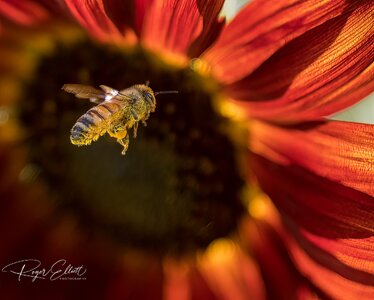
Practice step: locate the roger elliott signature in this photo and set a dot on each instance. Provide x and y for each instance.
(32, 268)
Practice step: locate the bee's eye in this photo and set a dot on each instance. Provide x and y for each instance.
(148, 97)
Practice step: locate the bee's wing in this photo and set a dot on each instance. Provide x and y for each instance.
(85, 92)
(109, 91)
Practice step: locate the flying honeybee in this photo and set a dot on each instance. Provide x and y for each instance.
(116, 113)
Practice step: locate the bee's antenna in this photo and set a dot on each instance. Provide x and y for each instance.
(166, 92)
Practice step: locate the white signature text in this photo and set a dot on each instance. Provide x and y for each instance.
(32, 268)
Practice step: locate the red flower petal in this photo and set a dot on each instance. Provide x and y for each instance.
(140, 277)
(200, 288)
(265, 243)
(23, 12)
(339, 151)
(354, 253)
(183, 281)
(127, 14)
(336, 270)
(121, 13)
(262, 28)
(231, 273)
(91, 14)
(57, 7)
(332, 224)
(140, 11)
(176, 283)
(174, 25)
(323, 71)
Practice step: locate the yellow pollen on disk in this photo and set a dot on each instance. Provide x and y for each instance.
(231, 110)
(220, 251)
(200, 66)
(259, 206)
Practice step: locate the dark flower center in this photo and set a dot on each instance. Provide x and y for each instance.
(179, 185)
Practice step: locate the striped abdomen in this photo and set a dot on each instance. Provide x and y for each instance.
(94, 123)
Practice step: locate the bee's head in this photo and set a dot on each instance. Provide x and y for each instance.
(149, 95)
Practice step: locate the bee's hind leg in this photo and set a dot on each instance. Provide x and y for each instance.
(124, 142)
(136, 125)
(136, 118)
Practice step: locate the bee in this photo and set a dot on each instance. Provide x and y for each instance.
(116, 113)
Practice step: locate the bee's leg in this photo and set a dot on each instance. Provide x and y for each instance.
(135, 115)
(125, 143)
(144, 123)
(136, 124)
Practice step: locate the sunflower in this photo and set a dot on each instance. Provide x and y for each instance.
(238, 188)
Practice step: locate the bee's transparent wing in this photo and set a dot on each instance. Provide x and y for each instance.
(110, 93)
(85, 92)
